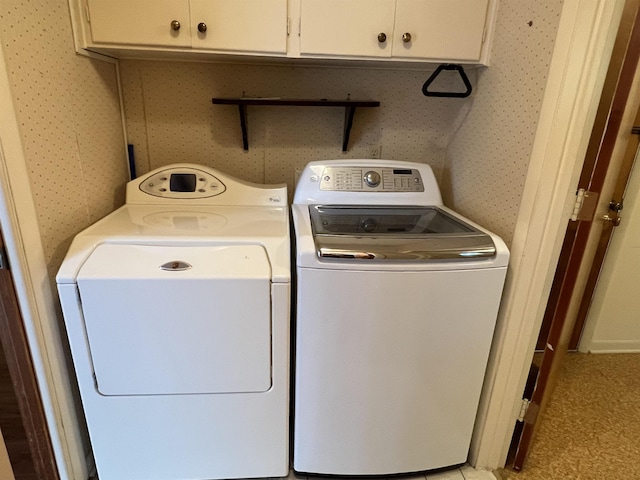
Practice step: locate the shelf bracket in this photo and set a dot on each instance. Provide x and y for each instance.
(243, 126)
(349, 113)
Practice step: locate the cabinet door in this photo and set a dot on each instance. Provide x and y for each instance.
(140, 22)
(240, 25)
(440, 29)
(346, 27)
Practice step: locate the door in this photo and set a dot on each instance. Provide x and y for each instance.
(440, 29)
(18, 363)
(239, 25)
(140, 22)
(603, 164)
(362, 28)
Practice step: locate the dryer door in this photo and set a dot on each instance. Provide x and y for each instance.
(178, 319)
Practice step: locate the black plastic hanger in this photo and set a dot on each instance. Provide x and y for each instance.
(447, 66)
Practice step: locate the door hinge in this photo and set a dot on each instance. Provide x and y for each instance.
(585, 206)
(86, 11)
(528, 411)
(523, 409)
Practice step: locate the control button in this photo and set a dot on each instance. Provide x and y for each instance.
(372, 178)
(326, 178)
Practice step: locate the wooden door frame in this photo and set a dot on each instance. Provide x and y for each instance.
(23, 378)
(583, 45)
(605, 137)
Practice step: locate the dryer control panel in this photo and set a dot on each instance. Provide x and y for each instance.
(371, 179)
(182, 183)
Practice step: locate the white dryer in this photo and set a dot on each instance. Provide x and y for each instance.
(177, 310)
(397, 298)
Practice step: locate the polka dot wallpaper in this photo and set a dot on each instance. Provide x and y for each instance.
(486, 163)
(69, 115)
(170, 117)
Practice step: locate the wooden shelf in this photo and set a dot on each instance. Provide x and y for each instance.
(349, 110)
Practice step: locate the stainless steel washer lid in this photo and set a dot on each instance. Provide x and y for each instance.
(395, 233)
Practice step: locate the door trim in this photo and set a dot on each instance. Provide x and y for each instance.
(20, 366)
(34, 291)
(580, 59)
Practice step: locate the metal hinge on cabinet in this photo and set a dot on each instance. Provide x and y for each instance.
(528, 411)
(86, 11)
(585, 206)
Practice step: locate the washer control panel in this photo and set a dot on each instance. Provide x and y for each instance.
(374, 179)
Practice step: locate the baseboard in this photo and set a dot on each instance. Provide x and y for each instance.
(614, 346)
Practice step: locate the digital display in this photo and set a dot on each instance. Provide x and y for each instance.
(182, 182)
(402, 171)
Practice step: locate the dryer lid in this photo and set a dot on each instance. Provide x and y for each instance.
(395, 233)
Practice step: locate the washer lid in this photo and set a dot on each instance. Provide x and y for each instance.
(395, 233)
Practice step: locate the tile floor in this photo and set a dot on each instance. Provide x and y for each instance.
(465, 472)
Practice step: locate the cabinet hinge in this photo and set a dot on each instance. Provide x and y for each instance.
(288, 26)
(86, 11)
(585, 206)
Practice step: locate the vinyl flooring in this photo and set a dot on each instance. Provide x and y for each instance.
(591, 427)
(12, 429)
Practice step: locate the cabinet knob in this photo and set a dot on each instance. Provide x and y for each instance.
(382, 37)
(175, 25)
(406, 37)
(202, 27)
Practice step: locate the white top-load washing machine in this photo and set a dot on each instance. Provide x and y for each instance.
(177, 310)
(397, 298)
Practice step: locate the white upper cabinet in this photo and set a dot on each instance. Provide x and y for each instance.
(139, 22)
(440, 29)
(240, 25)
(258, 26)
(361, 28)
(436, 31)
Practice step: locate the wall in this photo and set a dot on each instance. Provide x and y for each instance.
(486, 164)
(69, 113)
(613, 321)
(170, 117)
(479, 147)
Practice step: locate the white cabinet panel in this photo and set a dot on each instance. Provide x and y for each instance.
(346, 27)
(440, 29)
(240, 25)
(139, 22)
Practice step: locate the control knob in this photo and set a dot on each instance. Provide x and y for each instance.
(372, 178)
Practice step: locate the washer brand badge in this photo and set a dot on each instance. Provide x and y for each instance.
(175, 266)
